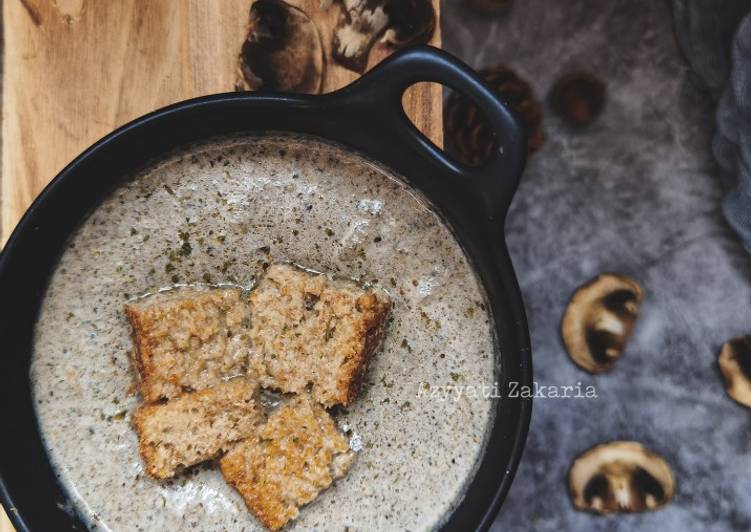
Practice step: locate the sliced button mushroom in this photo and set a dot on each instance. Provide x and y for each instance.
(620, 476)
(283, 50)
(735, 366)
(599, 319)
(362, 22)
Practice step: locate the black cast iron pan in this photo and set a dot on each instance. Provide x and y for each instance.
(366, 117)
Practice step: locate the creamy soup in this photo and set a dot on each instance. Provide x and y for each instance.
(219, 213)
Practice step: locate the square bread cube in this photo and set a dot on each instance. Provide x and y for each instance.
(310, 332)
(297, 454)
(197, 426)
(189, 339)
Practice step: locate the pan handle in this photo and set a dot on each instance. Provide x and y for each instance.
(380, 91)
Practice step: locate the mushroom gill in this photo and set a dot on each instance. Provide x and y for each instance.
(620, 476)
(599, 319)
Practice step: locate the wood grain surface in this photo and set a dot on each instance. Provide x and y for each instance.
(5, 525)
(74, 70)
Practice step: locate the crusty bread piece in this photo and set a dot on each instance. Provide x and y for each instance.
(197, 426)
(309, 330)
(189, 339)
(297, 454)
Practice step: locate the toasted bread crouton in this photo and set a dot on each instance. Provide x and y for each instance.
(309, 330)
(189, 339)
(296, 455)
(197, 426)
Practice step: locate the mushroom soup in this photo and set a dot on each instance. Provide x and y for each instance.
(219, 213)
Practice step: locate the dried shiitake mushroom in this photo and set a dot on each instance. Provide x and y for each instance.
(735, 366)
(599, 319)
(620, 476)
(362, 22)
(283, 50)
(470, 136)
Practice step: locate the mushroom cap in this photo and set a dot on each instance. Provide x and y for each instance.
(578, 97)
(620, 476)
(599, 319)
(410, 22)
(468, 133)
(283, 50)
(735, 365)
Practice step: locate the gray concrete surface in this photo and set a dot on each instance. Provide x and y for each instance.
(635, 193)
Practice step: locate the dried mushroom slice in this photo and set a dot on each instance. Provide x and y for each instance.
(283, 50)
(599, 319)
(735, 366)
(362, 22)
(620, 476)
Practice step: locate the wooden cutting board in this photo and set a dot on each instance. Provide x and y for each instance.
(77, 69)
(74, 70)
